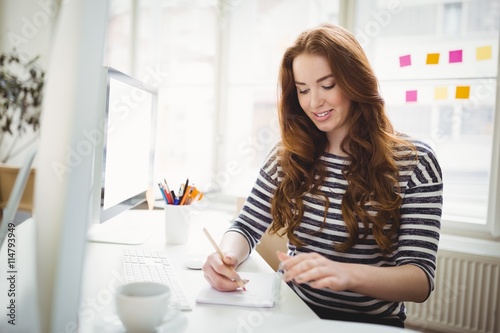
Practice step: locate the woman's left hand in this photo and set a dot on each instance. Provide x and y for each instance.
(316, 270)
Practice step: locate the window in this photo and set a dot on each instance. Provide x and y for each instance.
(439, 80)
(216, 64)
(173, 45)
(257, 34)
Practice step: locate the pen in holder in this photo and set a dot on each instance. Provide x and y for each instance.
(177, 221)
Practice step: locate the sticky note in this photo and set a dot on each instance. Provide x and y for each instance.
(405, 60)
(483, 53)
(441, 93)
(432, 58)
(462, 92)
(455, 56)
(411, 96)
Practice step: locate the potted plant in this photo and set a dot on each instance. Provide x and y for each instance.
(21, 93)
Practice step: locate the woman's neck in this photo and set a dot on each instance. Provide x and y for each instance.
(334, 142)
(335, 150)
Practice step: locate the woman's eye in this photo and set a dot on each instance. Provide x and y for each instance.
(305, 91)
(329, 87)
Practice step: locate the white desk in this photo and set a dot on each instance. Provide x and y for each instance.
(103, 272)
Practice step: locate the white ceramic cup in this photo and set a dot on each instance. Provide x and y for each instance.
(142, 306)
(177, 221)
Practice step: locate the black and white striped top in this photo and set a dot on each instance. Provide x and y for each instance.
(421, 189)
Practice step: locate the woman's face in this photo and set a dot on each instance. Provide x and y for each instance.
(319, 96)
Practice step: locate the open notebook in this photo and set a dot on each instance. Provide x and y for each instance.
(262, 291)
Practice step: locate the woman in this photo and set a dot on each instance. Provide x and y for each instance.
(359, 203)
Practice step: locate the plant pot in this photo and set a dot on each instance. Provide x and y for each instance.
(8, 174)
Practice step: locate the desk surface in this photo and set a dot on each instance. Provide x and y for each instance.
(103, 272)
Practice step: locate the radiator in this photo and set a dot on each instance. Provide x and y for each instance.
(466, 297)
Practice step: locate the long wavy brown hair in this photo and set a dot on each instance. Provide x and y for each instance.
(370, 145)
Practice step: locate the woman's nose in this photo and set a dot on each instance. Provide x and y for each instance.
(317, 99)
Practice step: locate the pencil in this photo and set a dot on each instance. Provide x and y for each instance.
(184, 191)
(216, 247)
(185, 195)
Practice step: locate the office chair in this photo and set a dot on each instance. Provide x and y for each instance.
(269, 244)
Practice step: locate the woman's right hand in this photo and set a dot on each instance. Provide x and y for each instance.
(221, 274)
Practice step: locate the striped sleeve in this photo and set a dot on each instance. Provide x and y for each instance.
(421, 214)
(255, 216)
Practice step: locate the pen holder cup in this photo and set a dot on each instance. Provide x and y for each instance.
(177, 221)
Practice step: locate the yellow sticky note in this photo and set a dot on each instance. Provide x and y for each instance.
(462, 92)
(441, 93)
(432, 58)
(483, 53)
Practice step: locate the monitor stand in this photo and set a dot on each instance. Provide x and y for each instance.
(125, 228)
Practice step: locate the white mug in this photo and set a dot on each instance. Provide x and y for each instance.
(142, 306)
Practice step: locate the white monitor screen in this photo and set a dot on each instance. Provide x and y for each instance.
(128, 145)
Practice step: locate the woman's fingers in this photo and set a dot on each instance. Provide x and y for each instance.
(218, 281)
(221, 274)
(314, 269)
(297, 265)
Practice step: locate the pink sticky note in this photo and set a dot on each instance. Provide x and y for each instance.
(455, 56)
(411, 96)
(405, 60)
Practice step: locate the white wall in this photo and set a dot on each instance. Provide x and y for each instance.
(27, 26)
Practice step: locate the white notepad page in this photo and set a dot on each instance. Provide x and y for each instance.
(261, 292)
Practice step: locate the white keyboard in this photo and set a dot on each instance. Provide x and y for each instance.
(142, 264)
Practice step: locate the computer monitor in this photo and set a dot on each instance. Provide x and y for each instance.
(128, 144)
(124, 144)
